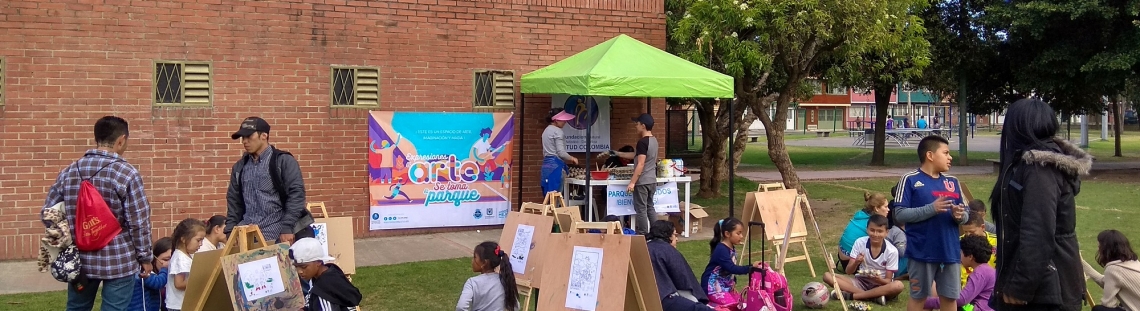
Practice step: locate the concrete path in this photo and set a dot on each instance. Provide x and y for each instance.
(985, 143)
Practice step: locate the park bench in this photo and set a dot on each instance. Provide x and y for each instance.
(996, 163)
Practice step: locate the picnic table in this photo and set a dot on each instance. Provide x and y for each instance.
(902, 137)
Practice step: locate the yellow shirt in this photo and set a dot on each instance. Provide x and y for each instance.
(993, 257)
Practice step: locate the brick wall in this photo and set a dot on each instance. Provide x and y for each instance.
(69, 62)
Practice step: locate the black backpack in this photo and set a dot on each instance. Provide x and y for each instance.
(278, 183)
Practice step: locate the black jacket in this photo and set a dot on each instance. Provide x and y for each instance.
(672, 272)
(1038, 260)
(288, 174)
(332, 292)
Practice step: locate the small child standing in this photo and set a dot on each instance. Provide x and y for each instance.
(719, 278)
(976, 251)
(331, 290)
(215, 234)
(148, 292)
(929, 203)
(489, 290)
(187, 239)
(874, 263)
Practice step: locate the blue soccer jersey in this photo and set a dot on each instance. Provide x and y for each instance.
(933, 240)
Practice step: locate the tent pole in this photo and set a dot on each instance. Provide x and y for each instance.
(731, 171)
(522, 146)
(649, 105)
(589, 200)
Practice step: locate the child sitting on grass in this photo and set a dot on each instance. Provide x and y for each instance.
(331, 290)
(874, 264)
(976, 227)
(876, 204)
(719, 278)
(979, 206)
(489, 290)
(1121, 279)
(976, 251)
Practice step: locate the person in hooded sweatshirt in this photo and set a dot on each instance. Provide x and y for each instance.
(676, 283)
(331, 290)
(1121, 278)
(1034, 208)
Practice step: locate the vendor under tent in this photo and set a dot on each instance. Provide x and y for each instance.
(624, 67)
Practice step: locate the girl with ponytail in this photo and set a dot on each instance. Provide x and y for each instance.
(489, 291)
(719, 279)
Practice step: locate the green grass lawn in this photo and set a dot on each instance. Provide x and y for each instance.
(435, 285)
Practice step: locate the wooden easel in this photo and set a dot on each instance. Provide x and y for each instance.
(802, 202)
(526, 292)
(612, 227)
(321, 205)
(211, 293)
(633, 284)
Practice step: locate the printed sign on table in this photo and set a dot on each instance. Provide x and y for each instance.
(620, 203)
(587, 110)
(439, 169)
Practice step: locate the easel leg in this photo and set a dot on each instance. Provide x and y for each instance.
(819, 237)
(811, 267)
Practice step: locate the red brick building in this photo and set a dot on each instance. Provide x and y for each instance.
(184, 73)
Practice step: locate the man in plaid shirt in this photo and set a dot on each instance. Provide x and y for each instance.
(127, 257)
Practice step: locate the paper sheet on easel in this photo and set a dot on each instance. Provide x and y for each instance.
(261, 278)
(585, 278)
(520, 250)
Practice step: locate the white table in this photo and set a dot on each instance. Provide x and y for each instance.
(606, 182)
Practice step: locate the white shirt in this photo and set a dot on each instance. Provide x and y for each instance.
(481, 146)
(179, 263)
(207, 246)
(888, 260)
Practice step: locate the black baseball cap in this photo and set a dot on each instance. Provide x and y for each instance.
(249, 126)
(645, 119)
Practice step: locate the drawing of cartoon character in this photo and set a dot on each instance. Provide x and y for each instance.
(386, 150)
(395, 188)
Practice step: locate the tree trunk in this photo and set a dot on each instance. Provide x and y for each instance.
(774, 125)
(1118, 126)
(741, 141)
(882, 103)
(713, 171)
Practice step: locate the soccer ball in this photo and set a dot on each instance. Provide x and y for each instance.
(815, 295)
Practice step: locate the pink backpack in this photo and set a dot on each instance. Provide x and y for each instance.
(767, 289)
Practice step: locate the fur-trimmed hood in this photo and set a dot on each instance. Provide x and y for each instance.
(1071, 160)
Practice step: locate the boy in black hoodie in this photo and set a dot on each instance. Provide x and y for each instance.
(331, 290)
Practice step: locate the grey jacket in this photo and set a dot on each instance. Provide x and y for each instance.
(289, 173)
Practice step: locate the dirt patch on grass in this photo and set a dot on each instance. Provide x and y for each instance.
(1115, 176)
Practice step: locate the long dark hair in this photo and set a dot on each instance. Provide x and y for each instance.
(496, 257)
(161, 246)
(1030, 124)
(214, 222)
(722, 226)
(1113, 246)
(185, 231)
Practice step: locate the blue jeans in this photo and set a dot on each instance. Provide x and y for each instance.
(116, 294)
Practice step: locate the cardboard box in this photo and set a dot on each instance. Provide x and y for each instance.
(696, 214)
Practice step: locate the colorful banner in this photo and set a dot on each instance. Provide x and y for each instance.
(439, 169)
(620, 203)
(587, 110)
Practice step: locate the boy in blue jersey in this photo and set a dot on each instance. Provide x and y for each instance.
(930, 204)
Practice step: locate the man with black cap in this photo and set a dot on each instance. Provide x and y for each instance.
(266, 188)
(643, 184)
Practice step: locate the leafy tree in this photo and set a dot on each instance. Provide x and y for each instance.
(771, 46)
(899, 54)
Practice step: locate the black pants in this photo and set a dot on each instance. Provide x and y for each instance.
(678, 303)
(1103, 308)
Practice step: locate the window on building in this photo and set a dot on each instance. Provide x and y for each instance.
(816, 86)
(494, 88)
(182, 83)
(836, 89)
(355, 87)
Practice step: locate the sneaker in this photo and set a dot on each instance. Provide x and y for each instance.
(881, 300)
(846, 295)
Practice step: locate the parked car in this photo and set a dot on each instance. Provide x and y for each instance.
(1130, 117)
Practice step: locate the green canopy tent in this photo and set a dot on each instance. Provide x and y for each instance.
(625, 67)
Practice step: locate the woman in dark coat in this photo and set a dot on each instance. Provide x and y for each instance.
(676, 283)
(1038, 261)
